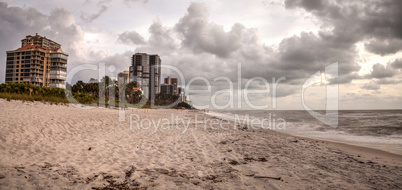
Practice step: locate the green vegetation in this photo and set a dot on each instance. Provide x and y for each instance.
(132, 96)
(184, 105)
(87, 93)
(28, 92)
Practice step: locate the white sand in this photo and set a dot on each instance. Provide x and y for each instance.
(47, 147)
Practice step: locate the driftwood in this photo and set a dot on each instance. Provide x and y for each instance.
(276, 178)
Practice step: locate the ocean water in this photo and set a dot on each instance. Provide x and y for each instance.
(379, 129)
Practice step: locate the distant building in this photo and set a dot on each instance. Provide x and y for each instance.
(146, 71)
(167, 89)
(170, 80)
(170, 86)
(124, 77)
(182, 95)
(39, 61)
(92, 80)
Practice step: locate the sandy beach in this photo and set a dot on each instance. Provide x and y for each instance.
(45, 146)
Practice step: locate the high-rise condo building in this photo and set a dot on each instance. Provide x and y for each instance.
(146, 71)
(39, 61)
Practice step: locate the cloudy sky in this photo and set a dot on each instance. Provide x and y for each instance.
(218, 40)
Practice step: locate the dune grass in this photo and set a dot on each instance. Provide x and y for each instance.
(25, 97)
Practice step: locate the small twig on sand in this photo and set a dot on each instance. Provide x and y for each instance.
(276, 178)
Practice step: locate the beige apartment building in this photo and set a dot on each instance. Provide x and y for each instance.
(39, 61)
(124, 77)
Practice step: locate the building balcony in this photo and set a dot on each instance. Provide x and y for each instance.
(59, 77)
(36, 79)
(58, 72)
(57, 85)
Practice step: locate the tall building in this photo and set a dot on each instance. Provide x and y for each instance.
(170, 86)
(170, 80)
(39, 61)
(167, 89)
(146, 71)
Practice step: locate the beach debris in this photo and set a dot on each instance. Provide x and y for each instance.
(130, 172)
(295, 141)
(195, 181)
(2, 176)
(233, 162)
(262, 159)
(259, 159)
(275, 178)
(162, 171)
(90, 148)
(248, 173)
(223, 142)
(242, 127)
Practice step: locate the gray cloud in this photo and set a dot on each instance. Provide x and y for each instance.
(92, 17)
(388, 81)
(380, 71)
(203, 36)
(353, 21)
(397, 64)
(307, 4)
(384, 46)
(131, 37)
(371, 86)
(161, 40)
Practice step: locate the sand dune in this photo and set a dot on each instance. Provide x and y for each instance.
(63, 147)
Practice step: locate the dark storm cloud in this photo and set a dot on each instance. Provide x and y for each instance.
(312, 53)
(354, 21)
(384, 46)
(381, 71)
(92, 17)
(397, 64)
(307, 4)
(132, 37)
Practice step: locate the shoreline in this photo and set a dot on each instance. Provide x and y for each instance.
(376, 146)
(45, 145)
(366, 153)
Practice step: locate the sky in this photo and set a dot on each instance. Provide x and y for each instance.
(230, 54)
